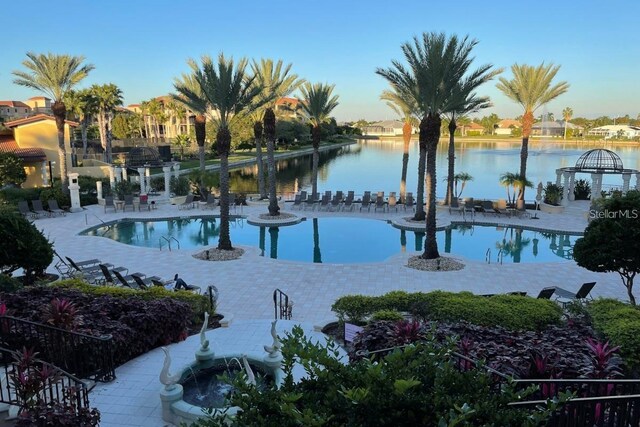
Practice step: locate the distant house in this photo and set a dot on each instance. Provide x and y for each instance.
(39, 105)
(616, 131)
(506, 126)
(553, 128)
(13, 110)
(287, 106)
(472, 128)
(35, 140)
(385, 128)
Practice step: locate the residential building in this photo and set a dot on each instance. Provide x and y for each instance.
(287, 107)
(506, 126)
(616, 131)
(385, 128)
(553, 128)
(39, 105)
(470, 129)
(13, 110)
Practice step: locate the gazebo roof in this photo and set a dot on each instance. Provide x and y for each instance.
(599, 161)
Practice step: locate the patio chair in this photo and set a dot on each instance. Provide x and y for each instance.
(455, 206)
(128, 280)
(348, 202)
(182, 285)
(366, 201)
(188, 203)
(211, 202)
(335, 202)
(392, 202)
(108, 203)
(88, 269)
(339, 196)
(468, 208)
(324, 203)
(65, 270)
(128, 202)
(38, 209)
(143, 203)
(487, 208)
(142, 284)
(546, 293)
(23, 207)
(565, 297)
(54, 208)
(380, 203)
(297, 201)
(409, 202)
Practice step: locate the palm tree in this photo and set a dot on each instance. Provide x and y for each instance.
(318, 104)
(463, 178)
(190, 95)
(567, 113)
(182, 141)
(229, 92)
(531, 88)
(437, 67)
(81, 105)
(106, 97)
(54, 75)
(276, 82)
(517, 182)
(405, 108)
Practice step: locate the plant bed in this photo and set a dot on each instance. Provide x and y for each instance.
(552, 209)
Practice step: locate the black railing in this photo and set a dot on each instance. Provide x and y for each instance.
(59, 386)
(84, 356)
(282, 306)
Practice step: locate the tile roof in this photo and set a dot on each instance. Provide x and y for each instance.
(36, 118)
(14, 104)
(9, 145)
(39, 97)
(287, 100)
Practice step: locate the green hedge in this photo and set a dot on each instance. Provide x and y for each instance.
(620, 324)
(509, 311)
(199, 303)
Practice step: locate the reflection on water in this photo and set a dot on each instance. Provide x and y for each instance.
(346, 240)
(376, 165)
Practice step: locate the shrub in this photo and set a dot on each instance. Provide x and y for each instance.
(11, 170)
(552, 194)
(11, 196)
(620, 324)
(9, 284)
(157, 183)
(391, 315)
(179, 186)
(582, 190)
(56, 193)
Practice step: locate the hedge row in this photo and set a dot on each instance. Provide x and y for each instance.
(620, 324)
(509, 311)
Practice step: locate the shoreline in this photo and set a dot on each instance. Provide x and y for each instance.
(532, 141)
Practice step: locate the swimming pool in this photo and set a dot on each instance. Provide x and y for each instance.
(344, 240)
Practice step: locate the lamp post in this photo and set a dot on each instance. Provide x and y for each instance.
(51, 173)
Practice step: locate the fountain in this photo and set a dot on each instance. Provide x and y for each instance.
(201, 384)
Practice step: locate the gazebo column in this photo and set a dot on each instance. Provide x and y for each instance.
(117, 171)
(112, 177)
(596, 186)
(565, 188)
(638, 181)
(176, 170)
(558, 177)
(626, 179)
(572, 186)
(147, 177)
(167, 180)
(45, 174)
(125, 177)
(141, 178)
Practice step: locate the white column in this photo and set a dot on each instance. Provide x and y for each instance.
(141, 175)
(112, 177)
(558, 177)
(167, 180)
(626, 178)
(176, 170)
(565, 189)
(147, 177)
(117, 171)
(596, 186)
(45, 173)
(124, 174)
(572, 186)
(99, 189)
(74, 192)
(638, 181)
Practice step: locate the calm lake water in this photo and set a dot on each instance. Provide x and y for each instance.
(376, 166)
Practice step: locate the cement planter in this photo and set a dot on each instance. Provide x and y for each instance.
(551, 208)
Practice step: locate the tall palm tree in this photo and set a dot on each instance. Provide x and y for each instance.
(407, 110)
(81, 105)
(531, 88)
(567, 113)
(106, 98)
(276, 82)
(190, 94)
(229, 92)
(318, 104)
(54, 75)
(517, 182)
(437, 66)
(269, 124)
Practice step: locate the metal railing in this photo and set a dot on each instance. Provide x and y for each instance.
(282, 306)
(487, 256)
(59, 386)
(84, 356)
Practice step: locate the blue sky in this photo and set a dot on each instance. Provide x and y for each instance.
(142, 45)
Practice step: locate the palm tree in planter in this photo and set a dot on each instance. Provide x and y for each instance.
(190, 95)
(567, 113)
(531, 88)
(106, 98)
(318, 104)
(229, 92)
(437, 66)
(276, 82)
(516, 182)
(54, 75)
(407, 110)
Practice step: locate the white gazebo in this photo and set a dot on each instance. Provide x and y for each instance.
(596, 162)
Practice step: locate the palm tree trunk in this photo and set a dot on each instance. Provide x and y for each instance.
(316, 160)
(223, 140)
(406, 137)
(201, 133)
(109, 137)
(433, 135)
(270, 134)
(257, 133)
(420, 216)
(84, 128)
(527, 124)
(60, 113)
(103, 134)
(452, 159)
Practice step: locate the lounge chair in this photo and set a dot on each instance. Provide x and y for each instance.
(324, 203)
(335, 202)
(546, 293)
(108, 203)
(128, 202)
(468, 208)
(487, 208)
(188, 203)
(348, 202)
(297, 201)
(144, 202)
(65, 270)
(366, 201)
(380, 203)
(565, 297)
(88, 269)
(409, 202)
(38, 209)
(339, 196)
(392, 202)
(518, 293)
(211, 202)
(455, 206)
(501, 207)
(23, 207)
(142, 284)
(54, 208)
(127, 281)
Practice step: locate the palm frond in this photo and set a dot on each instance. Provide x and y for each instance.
(319, 102)
(531, 86)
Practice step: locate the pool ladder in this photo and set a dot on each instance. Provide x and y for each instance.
(168, 242)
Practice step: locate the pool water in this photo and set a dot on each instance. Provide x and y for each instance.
(344, 240)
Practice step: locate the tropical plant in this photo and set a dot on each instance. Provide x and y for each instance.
(516, 182)
(179, 186)
(54, 75)
(552, 194)
(182, 141)
(582, 189)
(229, 93)
(62, 313)
(11, 170)
(462, 178)
(437, 74)
(81, 104)
(567, 113)
(317, 106)
(190, 94)
(531, 87)
(106, 98)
